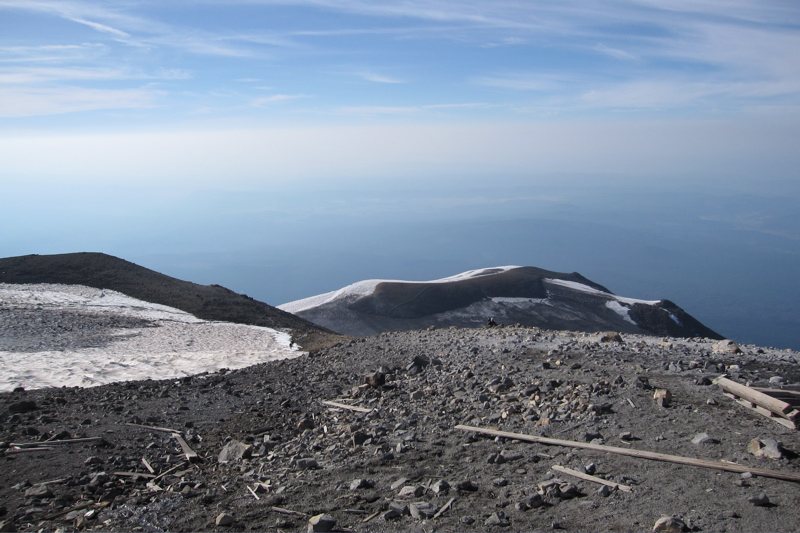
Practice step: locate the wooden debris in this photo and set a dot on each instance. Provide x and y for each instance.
(154, 428)
(780, 406)
(62, 512)
(642, 454)
(290, 512)
(10, 451)
(345, 406)
(190, 454)
(135, 474)
(147, 466)
(53, 442)
(171, 470)
(253, 493)
(370, 517)
(588, 477)
(444, 509)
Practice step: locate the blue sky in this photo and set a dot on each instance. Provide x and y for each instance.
(168, 132)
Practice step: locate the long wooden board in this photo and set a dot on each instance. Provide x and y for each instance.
(642, 454)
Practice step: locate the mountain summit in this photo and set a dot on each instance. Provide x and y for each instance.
(528, 296)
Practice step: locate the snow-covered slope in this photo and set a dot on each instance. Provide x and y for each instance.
(72, 335)
(508, 294)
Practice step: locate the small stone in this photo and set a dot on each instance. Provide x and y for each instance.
(669, 524)
(500, 482)
(321, 522)
(357, 484)
(726, 346)
(759, 500)
(39, 491)
(765, 447)
(306, 463)
(391, 514)
(440, 487)
(417, 395)
(467, 486)
(497, 519)
(234, 451)
(626, 436)
(535, 501)
(662, 397)
(411, 491)
(422, 510)
(467, 520)
(703, 438)
(604, 491)
(590, 469)
(224, 519)
(400, 507)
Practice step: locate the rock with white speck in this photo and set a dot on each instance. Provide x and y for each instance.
(669, 524)
(321, 522)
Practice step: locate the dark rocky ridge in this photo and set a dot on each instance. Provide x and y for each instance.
(102, 271)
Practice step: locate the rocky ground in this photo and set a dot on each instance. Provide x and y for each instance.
(270, 455)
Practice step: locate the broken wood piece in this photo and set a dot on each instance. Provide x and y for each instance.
(642, 454)
(62, 512)
(759, 398)
(253, 493)
(190, 454)
(370, 517)
(171, 470)
(147, 466)
(134, 474)
(345, 406)
(27, 450)
(762, 411)
(588, 477)
(444, 509)
(154, 428)
(290, 512)
(53, 442)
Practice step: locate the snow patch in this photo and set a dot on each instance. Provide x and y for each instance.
(591, 290)
(620, 309)
(180, 344)
(367, 287)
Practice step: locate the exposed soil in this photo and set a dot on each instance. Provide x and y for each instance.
(306, 458)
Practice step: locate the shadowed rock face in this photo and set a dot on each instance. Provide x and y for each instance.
(524, 295)
(416, 300)
(209, 302)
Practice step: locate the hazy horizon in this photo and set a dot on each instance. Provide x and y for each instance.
(288, 148)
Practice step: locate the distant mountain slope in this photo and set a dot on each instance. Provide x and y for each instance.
(511, 295)
(209, 302)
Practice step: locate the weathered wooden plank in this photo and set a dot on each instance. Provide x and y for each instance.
(759, 398)
(642, 454)
(345, 406)
(591, 478)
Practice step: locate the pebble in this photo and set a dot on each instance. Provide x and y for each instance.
(321, 522)
(422, 510)
(669, 524)
(224, 519)
(759, 500)
(497, 519)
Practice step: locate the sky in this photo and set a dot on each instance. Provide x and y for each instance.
(234, 141)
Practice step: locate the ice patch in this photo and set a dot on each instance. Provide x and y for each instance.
(585, 288)
(620, 309)
(180, 345)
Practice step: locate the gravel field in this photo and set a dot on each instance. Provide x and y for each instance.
(270, 455)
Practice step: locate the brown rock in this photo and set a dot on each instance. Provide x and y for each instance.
(663, 397)
(669, 524)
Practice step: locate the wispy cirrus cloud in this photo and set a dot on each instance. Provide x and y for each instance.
(28, 102)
